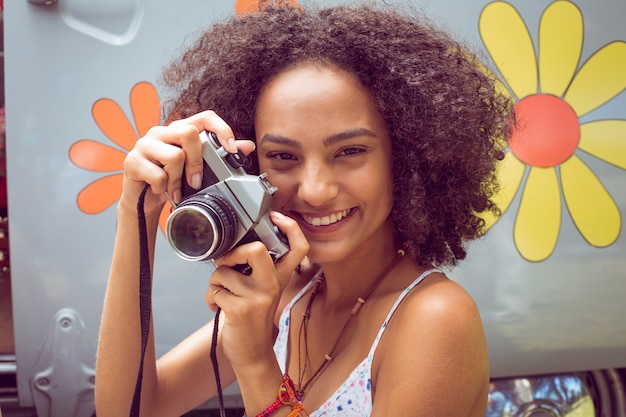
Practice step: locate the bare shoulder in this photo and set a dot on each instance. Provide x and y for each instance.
(438, 298)
(438, 315)
(435, 348)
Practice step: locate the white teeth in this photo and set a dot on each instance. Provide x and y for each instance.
(326, 220)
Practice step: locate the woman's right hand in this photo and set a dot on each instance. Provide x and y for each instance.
(158, 159)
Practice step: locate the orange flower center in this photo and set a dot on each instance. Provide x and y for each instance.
(547, 131)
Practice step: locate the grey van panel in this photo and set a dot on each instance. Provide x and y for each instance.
(563, 314)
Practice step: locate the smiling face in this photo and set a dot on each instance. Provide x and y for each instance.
(324, 144)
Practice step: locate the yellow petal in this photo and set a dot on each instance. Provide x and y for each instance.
(508, 42)
(605, 139)
(560, 45)
(599, 80)
(539, 217)
(510, 173)
(592, 208)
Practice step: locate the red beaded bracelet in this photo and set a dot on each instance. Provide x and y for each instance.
(287, 395)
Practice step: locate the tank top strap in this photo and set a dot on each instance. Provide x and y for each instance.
(302, 291)
(282, 339)
(393, 309)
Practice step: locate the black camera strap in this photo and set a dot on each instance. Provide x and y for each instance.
(145, 297)
(145, 302)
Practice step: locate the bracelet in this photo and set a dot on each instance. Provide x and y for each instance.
(287, 395)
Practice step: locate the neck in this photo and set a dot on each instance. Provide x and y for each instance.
(350, 278)
(356, 307)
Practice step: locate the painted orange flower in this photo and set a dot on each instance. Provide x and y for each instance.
(95, 156)
(553, 92)
(92, 155)
(243, 7)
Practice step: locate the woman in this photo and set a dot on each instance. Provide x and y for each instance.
(382, 135)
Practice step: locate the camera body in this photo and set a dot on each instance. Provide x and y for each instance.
(231, 208)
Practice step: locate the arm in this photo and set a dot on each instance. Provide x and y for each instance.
(158, 160)
(434, 361)
(183, 378)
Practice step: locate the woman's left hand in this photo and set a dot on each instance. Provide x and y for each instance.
(249, 302)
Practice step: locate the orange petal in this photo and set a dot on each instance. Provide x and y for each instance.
(100, 194)
(114, 123)
(167, 209)
(95, 156)
(243, 7)
(144, 100)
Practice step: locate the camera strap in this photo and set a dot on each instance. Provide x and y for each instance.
(145, 306)
(145, 296)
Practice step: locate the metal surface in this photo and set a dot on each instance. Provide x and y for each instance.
(64, 376)
(588, 394)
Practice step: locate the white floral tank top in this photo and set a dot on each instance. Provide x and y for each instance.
(354, 396)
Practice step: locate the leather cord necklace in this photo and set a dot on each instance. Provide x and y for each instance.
(302, 334)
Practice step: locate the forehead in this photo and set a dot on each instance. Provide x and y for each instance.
(317, 96)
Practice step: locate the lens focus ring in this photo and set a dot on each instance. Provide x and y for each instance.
(202, 227)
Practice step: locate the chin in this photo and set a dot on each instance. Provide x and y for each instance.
(325, 253)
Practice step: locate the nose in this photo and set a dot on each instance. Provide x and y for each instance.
(317, 184)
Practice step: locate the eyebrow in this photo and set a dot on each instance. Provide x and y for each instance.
(331, 140)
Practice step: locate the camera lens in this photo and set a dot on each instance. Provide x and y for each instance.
(202, 227)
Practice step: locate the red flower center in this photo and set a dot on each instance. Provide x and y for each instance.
(547, 131)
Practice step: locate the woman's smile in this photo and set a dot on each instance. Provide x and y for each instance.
(325, 220)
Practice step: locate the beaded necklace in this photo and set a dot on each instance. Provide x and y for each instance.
(302, 334)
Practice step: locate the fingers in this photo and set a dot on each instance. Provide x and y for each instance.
(209, 120)
(211, 295)
(165, 152)
(266, 278)
(298, 244)
(158, 159)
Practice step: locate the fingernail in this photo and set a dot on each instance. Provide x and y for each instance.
(232, 145)
(177, 196)
(277, 214)
(196, 181)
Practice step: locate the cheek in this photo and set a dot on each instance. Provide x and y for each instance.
(381, 191)
(285, 188)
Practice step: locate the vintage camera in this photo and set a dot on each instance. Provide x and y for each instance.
(232, 208)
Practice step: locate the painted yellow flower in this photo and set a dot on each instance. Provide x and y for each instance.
(552, 92)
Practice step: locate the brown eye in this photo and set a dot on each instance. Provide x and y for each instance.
(353, 150)
(281, 156)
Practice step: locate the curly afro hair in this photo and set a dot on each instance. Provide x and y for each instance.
(447, 120)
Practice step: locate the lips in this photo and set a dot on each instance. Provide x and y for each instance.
(326, 220)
